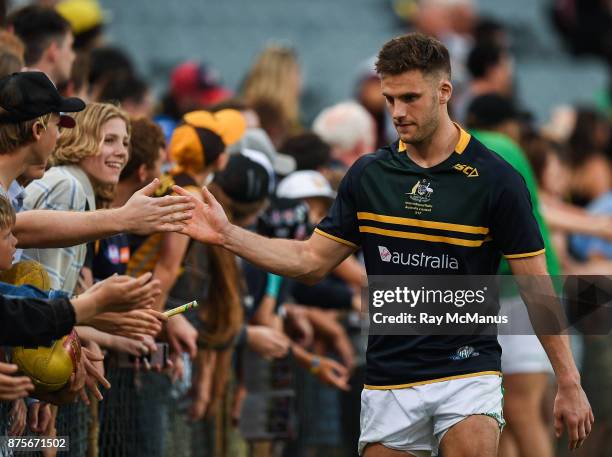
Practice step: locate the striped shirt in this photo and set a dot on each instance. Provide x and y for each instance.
(62, 188)
(16, 194)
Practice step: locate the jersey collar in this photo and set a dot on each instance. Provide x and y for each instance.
(464, 139)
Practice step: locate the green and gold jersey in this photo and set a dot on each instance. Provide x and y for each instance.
(458, 217)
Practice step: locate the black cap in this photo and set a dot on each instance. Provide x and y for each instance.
(490, 110)
(244, 179)
(30, 94)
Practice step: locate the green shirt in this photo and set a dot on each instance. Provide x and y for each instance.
(512, 153)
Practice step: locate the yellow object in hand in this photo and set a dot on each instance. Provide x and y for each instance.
(181, 309)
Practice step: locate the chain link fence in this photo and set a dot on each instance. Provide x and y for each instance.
(144, 414)
(5, 425)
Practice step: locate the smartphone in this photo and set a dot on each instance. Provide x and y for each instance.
(159, 357)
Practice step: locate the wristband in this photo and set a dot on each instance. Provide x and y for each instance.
(273, 285)
(315, 365)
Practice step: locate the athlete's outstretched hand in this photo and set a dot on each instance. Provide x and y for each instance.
(208, 223)
(573, 411)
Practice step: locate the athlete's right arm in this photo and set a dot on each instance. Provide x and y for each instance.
(307, 261)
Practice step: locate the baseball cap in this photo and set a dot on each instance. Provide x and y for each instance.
(198, 82)
(258, 140)
(30, 94)
(489, 110)
(305, 184)
(229, 124)
(203, 136)
(247, 177)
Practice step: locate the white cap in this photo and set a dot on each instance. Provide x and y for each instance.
(305, 184)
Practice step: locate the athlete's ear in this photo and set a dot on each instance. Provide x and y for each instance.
(445, 90)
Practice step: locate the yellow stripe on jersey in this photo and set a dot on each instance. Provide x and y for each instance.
(335, 238)
(432, 381)
(527, 254)
(472, 229)
(464, 139)
(421, 236)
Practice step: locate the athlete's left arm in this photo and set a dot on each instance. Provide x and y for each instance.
(571, 404)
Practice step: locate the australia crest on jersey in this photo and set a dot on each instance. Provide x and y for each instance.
(421, 191)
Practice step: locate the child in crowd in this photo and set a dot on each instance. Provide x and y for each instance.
(94, 151)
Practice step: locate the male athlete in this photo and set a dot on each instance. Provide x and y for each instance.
(438, 194)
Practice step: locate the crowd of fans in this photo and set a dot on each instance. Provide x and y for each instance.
(90, 239)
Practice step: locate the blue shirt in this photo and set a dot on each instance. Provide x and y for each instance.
(584, 246)
(16, 194)
(28, 291)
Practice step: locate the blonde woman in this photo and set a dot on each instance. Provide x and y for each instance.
(272, 88)
(92, 153)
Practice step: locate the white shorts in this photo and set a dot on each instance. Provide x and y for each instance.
(521, 353)
(415, 419)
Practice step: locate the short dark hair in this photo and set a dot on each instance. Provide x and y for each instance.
(482, 57)
(122, 88)
(490, 31)
(108, 60)
(38, 26)
(414, 51)
(488, 111)
(146, 139)
(308, 149)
